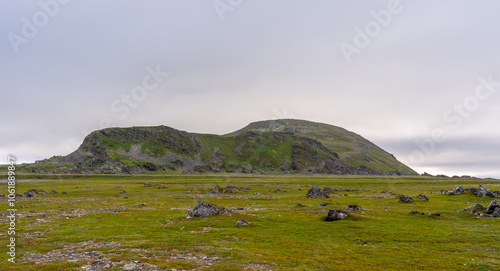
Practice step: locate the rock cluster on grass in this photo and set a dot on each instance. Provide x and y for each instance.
(355, 207)
(33, 192)
(316, 192)
(413, 212)
(493, 209)
(482, 191)
(423, 197)
(204, 209)
(453, 192)
(228, 189)
(324, 204)
(405, 199)
(336, 214)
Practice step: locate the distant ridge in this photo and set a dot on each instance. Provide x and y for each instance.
(273, 146)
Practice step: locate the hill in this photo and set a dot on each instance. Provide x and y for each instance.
(275, 146)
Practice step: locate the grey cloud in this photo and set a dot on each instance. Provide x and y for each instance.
(264, 56)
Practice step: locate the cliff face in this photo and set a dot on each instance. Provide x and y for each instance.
(280, 146)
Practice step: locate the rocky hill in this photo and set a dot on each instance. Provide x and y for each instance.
(276, 146)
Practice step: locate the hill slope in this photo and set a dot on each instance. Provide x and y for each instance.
(286, 146)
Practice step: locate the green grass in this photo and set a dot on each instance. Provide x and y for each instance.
(281, 237)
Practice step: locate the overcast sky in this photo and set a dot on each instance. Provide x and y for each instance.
(417, 78)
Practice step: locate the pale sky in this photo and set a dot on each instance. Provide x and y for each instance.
(420, 79)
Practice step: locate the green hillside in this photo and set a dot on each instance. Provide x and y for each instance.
(276, 146)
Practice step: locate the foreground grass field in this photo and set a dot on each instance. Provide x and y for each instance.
(117, 220)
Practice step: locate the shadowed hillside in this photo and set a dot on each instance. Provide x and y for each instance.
(276, 146)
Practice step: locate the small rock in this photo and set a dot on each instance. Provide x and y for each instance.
(474, 212)
(300, 205)
(148, 184)
(63, 192)
(423, 197)
(242, 222)
(336, 214)
(324, 204)
(413, 212)
(122, 192)
(405, 199)
(354, 207)
(434, 214)
(476, 206)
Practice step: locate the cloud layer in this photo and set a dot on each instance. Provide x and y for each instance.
(413, 68)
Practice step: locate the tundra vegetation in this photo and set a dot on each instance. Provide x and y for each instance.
(260, 222)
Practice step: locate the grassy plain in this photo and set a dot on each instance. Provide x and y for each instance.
(96, 220)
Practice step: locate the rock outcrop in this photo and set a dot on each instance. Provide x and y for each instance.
(204, 209)
(317, 193)
(336, 214)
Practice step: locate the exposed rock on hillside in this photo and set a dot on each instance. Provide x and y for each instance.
(278, 146)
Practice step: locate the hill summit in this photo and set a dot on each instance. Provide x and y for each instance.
(273, 146)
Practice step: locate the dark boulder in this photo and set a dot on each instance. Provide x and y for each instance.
(316, 192)
(215, 190)
(423, 197)
(457, 191)
(329, 190)
(336, 214)
(453, 192)
(204, 209)
(493, 205)
(496, 212)
(413, 212)
(474, 212)
(242, 222)
(355, 207)
(405, 199)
